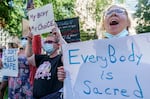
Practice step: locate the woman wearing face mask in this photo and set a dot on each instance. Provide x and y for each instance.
(46, 84)
(48, 45)
(115, 23)
(19, 87)
(23, 42)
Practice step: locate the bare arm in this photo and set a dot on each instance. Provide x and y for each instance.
(28, 49)
(29, 52)
(61, 74)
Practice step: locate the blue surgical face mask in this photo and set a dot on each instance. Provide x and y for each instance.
(23, 43)
(48, 48)
(121, 34)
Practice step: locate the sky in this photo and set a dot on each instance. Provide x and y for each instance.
(131, 5)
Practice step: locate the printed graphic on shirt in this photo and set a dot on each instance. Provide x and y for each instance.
(43, 71)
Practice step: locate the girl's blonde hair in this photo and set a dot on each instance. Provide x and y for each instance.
(129, 28)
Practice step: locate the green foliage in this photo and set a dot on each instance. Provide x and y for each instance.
(13, 15)
(94, 9)
(62, 9)
(87, 36)
(121, 1)
(45, 35)
(143, 15)
(100, 7)
(4, 10)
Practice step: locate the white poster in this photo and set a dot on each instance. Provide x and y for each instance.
(10, 62)
(41, 20)
(108, 69)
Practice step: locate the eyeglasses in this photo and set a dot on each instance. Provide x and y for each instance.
(24, 38)
(117, 11)
(49, 42)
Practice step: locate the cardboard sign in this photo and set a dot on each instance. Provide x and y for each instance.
(10, 62)
(41, 19)
(108, 69)
(25, 27)
(70, 29)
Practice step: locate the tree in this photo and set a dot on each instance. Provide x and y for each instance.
(4, 13)
(62, 8)
(90, 13)
(143, 16)
(14, 10)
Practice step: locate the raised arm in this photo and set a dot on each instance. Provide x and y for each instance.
(29, 51)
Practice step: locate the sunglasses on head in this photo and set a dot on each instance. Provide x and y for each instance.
(49, 42)
(24, 38)
(117, 11)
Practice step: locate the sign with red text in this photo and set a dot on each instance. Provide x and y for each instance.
(41, 20)
(116, 68)
(70, 29)
(10, 62)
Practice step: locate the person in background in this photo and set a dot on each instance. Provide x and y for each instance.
(4, 82)
(116, 22)
(1, 52)
(19, 87)
(46, 84)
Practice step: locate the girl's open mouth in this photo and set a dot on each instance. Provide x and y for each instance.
(114, 22)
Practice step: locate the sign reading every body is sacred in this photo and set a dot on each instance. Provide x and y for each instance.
(116, 68)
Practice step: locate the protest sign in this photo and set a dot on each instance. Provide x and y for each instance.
(108, 69)
(25, 27)
(41, 20)
(69, 29)
(10, 62)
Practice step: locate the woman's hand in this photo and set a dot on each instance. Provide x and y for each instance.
(57, 33)
(61, 74)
